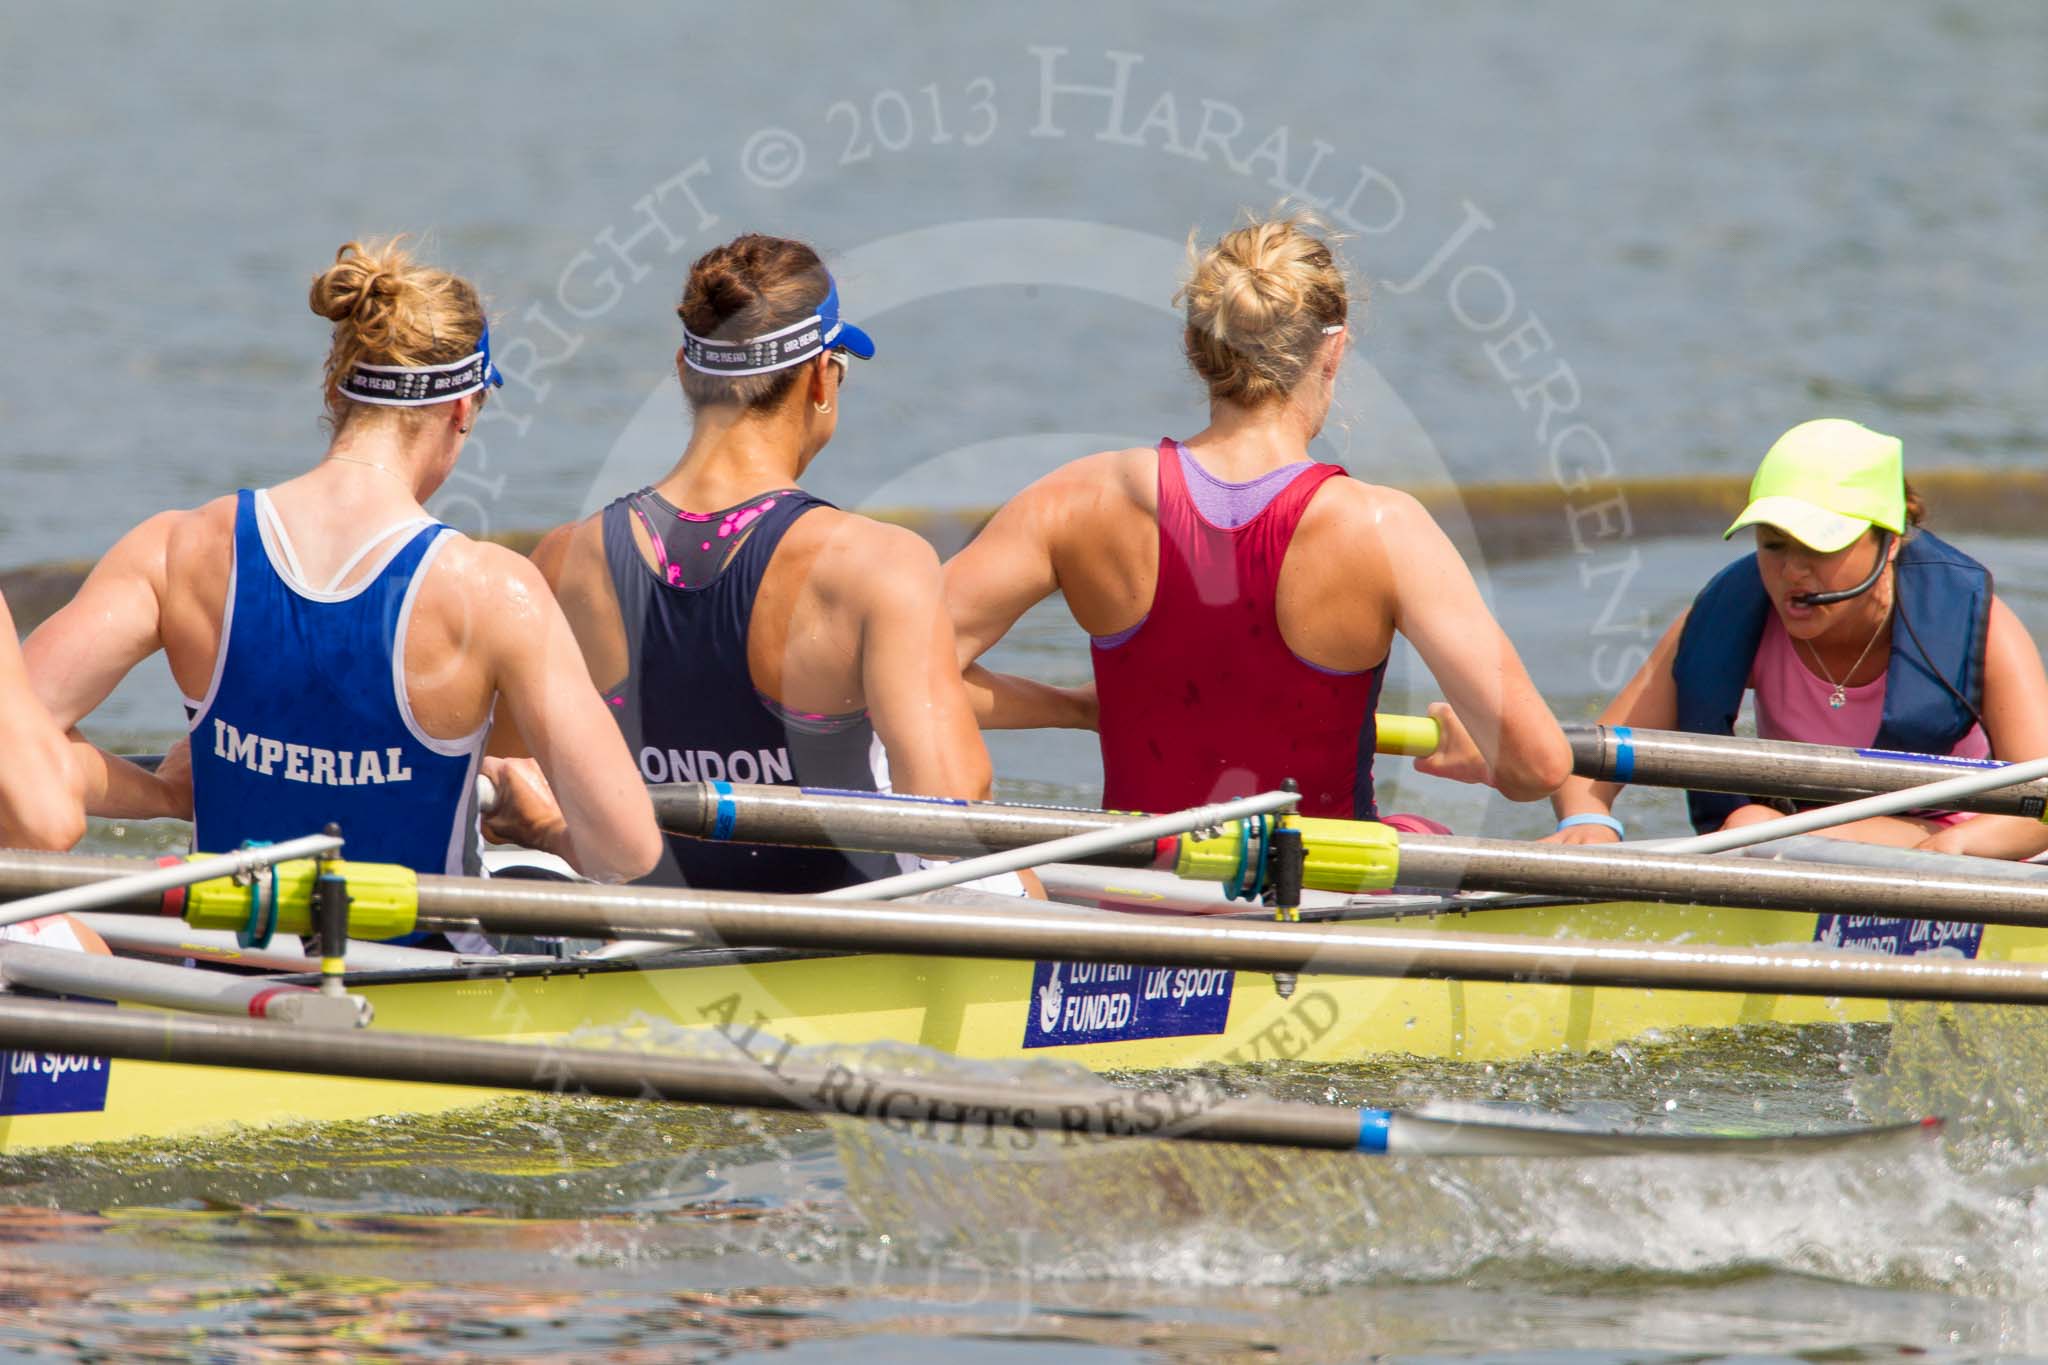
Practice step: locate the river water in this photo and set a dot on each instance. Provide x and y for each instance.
(1603, 244)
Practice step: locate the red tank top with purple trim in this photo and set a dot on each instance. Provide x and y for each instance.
(1203, 700)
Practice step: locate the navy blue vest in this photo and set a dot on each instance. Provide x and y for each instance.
(690, 712)
(1944, 593)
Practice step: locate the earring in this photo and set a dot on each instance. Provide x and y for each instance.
(463, 430)
(822, 407)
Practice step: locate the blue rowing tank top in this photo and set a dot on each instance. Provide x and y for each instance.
(688, 705)
(307, 721)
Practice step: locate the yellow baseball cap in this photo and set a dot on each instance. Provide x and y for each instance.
(1826, 482)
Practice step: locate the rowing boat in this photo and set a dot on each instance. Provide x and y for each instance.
(761, 1003)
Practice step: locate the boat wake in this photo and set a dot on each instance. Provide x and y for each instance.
(1958, 1216)
(1964, 1215)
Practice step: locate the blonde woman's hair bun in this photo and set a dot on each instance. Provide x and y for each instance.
(1259, 303)
(390, 309)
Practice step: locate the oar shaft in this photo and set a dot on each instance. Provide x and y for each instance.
(141, 881)
(1608, 872)
(761, 814)
(64, 972)
(1446, 863)
(1013, 1112)
(1010, 1115)
(1074, 847)
(1780, 768)
(1050, 932)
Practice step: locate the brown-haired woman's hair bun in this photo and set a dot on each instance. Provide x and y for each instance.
(388, 309)
(751, 286)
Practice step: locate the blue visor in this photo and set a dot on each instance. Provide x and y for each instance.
(483, 346)
(840, 334)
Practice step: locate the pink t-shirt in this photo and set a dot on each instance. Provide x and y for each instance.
(1792, 703)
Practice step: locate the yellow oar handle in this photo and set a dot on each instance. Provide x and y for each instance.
(1348, 856)
(382, 900)
(1415, 736)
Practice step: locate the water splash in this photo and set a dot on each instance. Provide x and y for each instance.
(1943, 1217)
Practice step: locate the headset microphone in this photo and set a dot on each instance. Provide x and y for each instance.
(1828, 599)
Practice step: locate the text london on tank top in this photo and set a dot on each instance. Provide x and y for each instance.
(688, 706)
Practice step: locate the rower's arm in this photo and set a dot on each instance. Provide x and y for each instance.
(1002, 573)
(1647, 701)
(41, 796)
(2016, 722)
(1438, 608)
(505, 741)
(80, 654)
(910, 673)
(606, 828)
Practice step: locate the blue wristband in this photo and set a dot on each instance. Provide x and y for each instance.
(1593, 818)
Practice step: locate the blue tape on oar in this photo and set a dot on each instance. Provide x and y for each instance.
(728, 812)
(1373, 1127)
(1624, 753)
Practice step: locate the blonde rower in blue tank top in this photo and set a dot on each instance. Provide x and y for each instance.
(341, 653)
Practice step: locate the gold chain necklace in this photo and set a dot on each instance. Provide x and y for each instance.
(370, 464)
(1839, 698)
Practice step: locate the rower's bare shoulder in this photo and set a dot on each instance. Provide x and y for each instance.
(1343, 507)
(568, 546)
(1131, 474)
(1356, 497)
(491, 584)
(188, 535)
(858, 563)
(1072, 500)
(853, 546)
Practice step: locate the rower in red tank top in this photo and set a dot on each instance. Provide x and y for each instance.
(1203, 700)
(1243, 600)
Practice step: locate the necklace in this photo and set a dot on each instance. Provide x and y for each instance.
(372, 464)
(1839, 698)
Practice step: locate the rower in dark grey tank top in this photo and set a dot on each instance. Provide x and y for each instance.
(777, 639)
(688, 706)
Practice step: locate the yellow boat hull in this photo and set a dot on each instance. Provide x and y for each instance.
(1101, 1018)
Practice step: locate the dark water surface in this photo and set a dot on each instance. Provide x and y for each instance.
(1681, 229)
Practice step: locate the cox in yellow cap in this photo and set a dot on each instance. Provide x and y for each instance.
(1826, 482)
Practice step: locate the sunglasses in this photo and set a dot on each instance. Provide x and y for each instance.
(843, 358)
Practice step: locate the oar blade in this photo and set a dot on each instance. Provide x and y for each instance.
(1444, 1131)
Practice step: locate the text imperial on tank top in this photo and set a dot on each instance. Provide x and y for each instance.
(307, 720)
